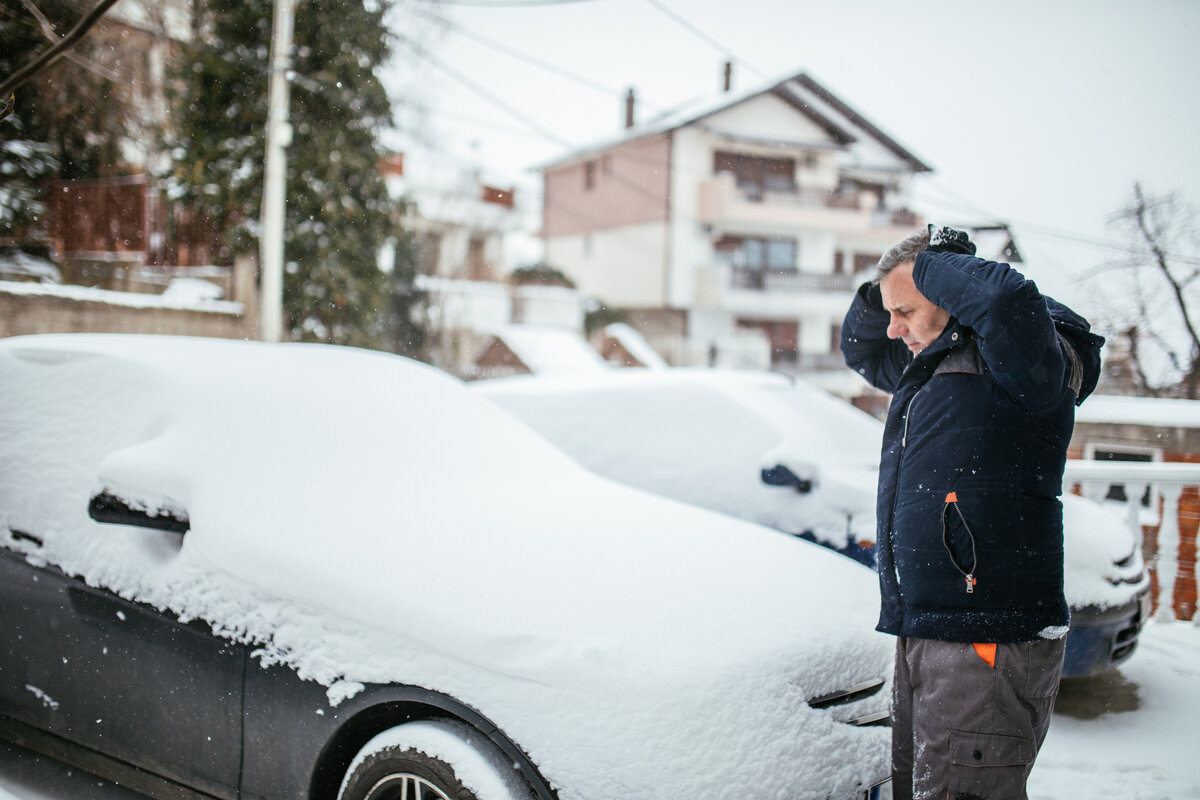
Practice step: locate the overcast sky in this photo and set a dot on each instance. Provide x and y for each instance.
(1039, 113)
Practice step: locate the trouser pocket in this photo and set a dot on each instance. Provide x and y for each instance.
(988, 766)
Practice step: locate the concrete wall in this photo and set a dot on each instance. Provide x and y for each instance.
(22, 314)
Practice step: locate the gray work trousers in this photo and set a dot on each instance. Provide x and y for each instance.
(964, 730)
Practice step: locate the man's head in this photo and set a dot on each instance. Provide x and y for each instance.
(914, 319)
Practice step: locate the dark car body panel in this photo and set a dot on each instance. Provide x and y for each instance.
(170, 709)
(112, 676)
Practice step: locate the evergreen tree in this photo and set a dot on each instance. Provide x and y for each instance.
(338, 213)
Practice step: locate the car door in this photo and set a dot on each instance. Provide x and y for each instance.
(116, 677)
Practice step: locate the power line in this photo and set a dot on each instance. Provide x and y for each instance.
(500, 47)
(1048, 232)
(486, 94)
(514, 112)
(686, 23)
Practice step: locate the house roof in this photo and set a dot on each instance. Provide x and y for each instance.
(549, 350)
(635, 344)
(994, 242)
(801, 91)
(1169, 412)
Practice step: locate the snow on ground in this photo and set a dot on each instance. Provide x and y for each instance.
(1143, 745)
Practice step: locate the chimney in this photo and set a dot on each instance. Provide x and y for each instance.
(728, 75)
(629, 101)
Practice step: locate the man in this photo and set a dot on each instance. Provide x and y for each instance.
(984, 374)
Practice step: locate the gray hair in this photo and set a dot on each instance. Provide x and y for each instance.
(902, 252)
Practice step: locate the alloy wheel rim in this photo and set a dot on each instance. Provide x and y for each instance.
(406, 786)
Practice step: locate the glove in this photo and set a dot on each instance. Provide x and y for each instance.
(949, 240)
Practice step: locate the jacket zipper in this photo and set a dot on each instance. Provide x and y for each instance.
(907, 412)
(968, 574)
(896, 493)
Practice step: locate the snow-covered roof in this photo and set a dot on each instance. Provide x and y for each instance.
(636, 345)
(994, 242)
(447, 193)
(548, 350)
(1163, 412)
(849, 131)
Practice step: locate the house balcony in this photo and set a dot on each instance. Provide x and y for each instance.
(779, 292)
(723, 206)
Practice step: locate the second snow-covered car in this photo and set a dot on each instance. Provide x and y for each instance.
(235, 570)
(762, 447)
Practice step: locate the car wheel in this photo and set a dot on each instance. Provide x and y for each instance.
(431, 760)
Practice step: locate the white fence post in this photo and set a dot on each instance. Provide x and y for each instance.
(1170, 478)
(1168, 550)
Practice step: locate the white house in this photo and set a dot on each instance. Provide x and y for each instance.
(733, 232)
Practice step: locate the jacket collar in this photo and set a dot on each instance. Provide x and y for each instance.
(954, 335)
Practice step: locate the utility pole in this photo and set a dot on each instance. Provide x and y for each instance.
(279, 136)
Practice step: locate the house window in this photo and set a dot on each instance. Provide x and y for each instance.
(589, 175)
(477, 266)
(784, 336)
(1116, 491)
(429, 249)
(865, 261)
(781, 254)
(756, 174)
(751, 259)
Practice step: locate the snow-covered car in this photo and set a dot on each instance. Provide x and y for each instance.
(238, 570)
(765, 448)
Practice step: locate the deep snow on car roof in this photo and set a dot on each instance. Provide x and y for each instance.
(363, 518)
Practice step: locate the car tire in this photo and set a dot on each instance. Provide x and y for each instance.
(443, 759)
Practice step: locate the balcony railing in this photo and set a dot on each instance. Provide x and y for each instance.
(788, 281)
(721, 197)
(1169, 479)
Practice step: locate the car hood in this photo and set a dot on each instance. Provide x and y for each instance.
(366, 520)
(1102, 560)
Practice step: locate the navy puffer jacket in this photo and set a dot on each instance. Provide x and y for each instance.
(970, 543)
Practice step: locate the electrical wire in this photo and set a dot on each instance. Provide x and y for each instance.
(686, 23)
(511, 52)
(485, 93)
(1036, 231)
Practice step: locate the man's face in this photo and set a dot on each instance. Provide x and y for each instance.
(914, 319)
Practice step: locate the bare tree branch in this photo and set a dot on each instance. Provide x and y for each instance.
(1153, 236)
(52, 37)
(53, 53)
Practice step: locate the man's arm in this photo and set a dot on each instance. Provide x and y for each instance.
(865, 343)
(1016, 335)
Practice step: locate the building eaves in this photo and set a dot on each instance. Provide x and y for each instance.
(800, 91)
(861, 122)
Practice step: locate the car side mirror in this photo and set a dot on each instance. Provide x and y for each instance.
(779, 475)
(115, 510)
